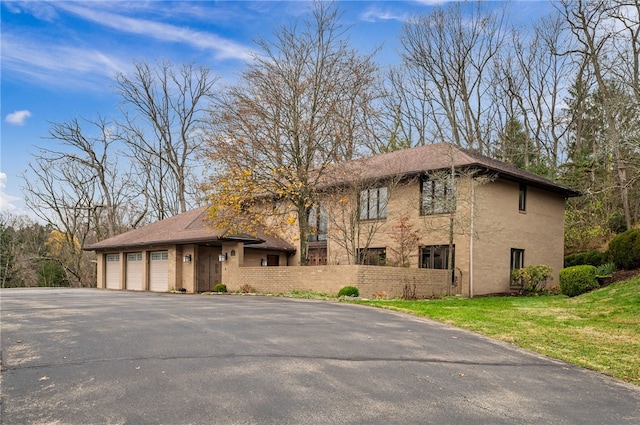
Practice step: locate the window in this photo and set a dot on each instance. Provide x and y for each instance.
(373, 204)
(437, 196)
(372, 256)
(318, 224)
(159, 256)
(113, 257)
(517, 258)
(134, 256)
(436, 257)
(522, 198)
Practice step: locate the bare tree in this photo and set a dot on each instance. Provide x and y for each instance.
(356, 208)
(594, 31)
(162, 109)
(449, 56)
(407, 241)
(531, 86)
(626, 45)
(78, 188)
(304, 103)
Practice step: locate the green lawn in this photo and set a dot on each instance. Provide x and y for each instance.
(599, 330)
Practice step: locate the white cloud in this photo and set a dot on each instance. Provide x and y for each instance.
(6, 201)
(375, 14)
(224, 48)
(81, 68)
(18, 118)
(43, 11)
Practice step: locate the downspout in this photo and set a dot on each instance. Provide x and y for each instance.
(471, 233)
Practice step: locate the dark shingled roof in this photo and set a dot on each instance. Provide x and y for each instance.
(438, 156)
(189, 227)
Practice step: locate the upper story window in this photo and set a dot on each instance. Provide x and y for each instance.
(318, 224)
(522, 198)
(437, 196)
(373, 204)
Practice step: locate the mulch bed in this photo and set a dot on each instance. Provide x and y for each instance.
(623, 275)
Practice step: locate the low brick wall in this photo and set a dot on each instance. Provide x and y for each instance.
(329, 279)
(424, 283)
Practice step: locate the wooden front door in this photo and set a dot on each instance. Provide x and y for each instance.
(317, 254)
(273, 260)
(209, 269)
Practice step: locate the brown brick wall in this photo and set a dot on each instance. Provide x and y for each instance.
(329, 279)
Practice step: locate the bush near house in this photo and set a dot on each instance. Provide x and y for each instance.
(577, 280)
(220, 287)
(624, 250)
(592, 258)
(349, 291)
(532, 279)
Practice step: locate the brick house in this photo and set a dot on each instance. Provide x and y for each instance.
(400, 208)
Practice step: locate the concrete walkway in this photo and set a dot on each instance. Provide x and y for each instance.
(87, 356)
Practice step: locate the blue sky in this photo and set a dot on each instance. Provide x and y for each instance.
(59, 59)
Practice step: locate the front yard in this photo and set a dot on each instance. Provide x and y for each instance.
(599, 330)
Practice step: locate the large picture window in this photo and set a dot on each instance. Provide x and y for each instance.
(436, 257)
(373, 204)
(437, 196)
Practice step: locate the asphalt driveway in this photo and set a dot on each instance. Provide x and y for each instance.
(87, 356)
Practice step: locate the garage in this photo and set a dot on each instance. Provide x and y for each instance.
(134, 271)
(181, 252)
(112, 271)
(159, 271)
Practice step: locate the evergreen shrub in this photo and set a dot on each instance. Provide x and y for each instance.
(349, 291)
(592, 258)
(577, 280)
(220, 287)
(624, 250)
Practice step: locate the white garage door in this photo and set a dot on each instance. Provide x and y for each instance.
(134, 271)
(112, 270)
(159, 271)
